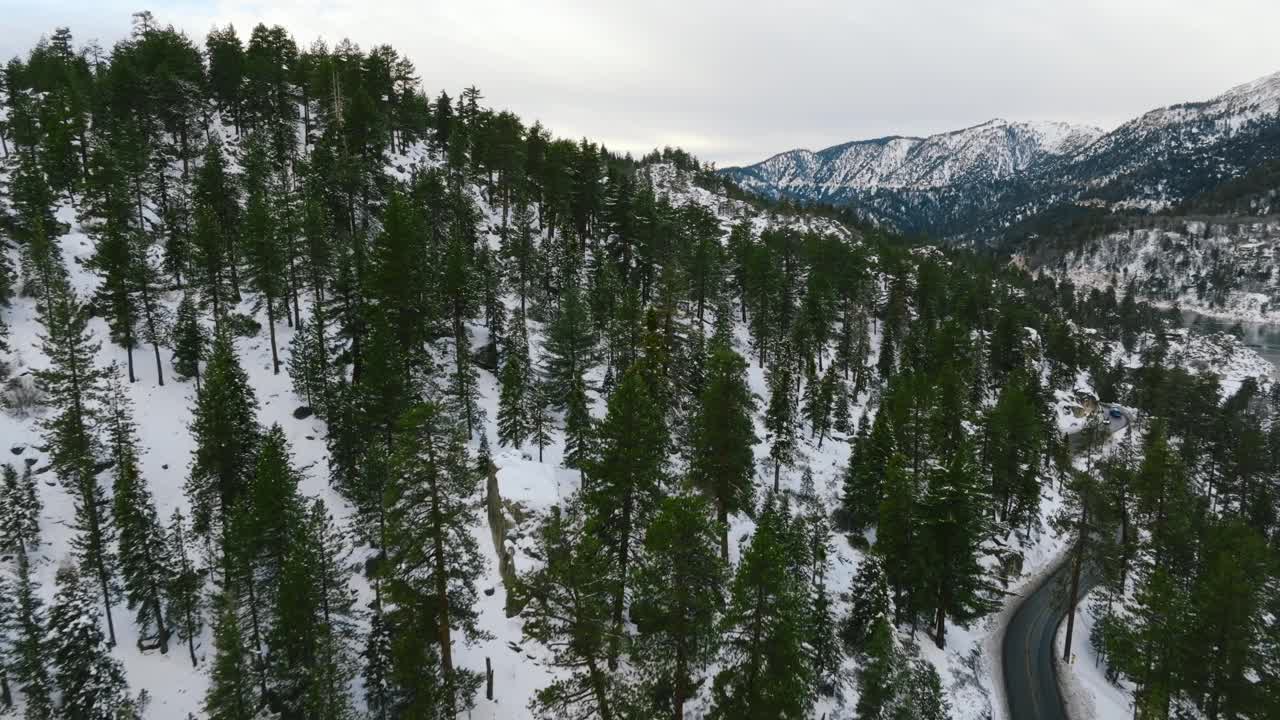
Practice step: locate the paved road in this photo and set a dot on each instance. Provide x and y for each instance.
(1114, 425)
(1030, 682)
(1030, 677)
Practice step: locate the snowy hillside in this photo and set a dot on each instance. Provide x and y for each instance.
(1220, 267)
(993, 151)
(1184, 127)
(525, 490)
(455, 418)
(980, 182)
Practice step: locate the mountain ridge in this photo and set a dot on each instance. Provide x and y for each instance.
(974, 182)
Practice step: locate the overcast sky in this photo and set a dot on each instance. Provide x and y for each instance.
(735, 81)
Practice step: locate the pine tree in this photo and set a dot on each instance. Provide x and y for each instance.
(266, 263)
(626, 481)
(377, 665)
(513, 405)
(225, 431)
(568, 608)
(1013, 447)
(897, 538)
(211, 267)
(924, 698)
(779, 418)
(818, 401)
(309, 368)
(840, 414)
(273, 512)
(41, 261)
(189, 340)
(73, 385)
(232, 693)
(868, 602)
(570, 345)
(1229, 606)
(578, 426)
(677, 599)
(184, 601)
(894, 682)
(144, 558)
(766, 672)
(19, 510)
(26, 649)
(460, 299)
(112, 259)
(723, 435)
(91, 683)
(6, 691)
(218, 253)
(432, 554)
(539, 417)
(522, 252)
(825, 654)
(953, 530)
(311, 664)
(863, 487)
(878, 677)
(154, 319)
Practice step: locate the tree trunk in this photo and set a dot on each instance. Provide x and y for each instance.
(271, 325)
(293, 288)
(95, 532)
(257, 637)
(680, 691)
(619, 596)
(191, 637)
(160, 626)
(151, 330)
(1075, 593)
(940, 627)
(442, 589)
(84, 154)
(182, 142)
(306, 120)
(722, 515)
(598, 688)
(128, 349)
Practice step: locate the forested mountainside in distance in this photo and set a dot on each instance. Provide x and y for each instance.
(975, 184)
(328, 399)
(1214, 253)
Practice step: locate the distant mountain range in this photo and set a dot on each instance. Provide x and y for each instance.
(994, 180)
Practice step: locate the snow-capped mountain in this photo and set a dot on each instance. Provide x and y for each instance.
(977, 182)
(994, 150)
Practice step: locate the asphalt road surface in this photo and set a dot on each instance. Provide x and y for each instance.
(1030, 677)
(1114, 425)
(1030, 680)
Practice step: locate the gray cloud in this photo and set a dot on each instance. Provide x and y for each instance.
(737, 81)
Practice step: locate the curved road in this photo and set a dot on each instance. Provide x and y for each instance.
(1030, 676)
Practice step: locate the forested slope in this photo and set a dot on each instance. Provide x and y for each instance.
(322, 396)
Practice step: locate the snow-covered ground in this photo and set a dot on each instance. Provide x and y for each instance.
(1085, 687)
(1224, 269)
(968, 666)
(163, 413)
(1083, 679)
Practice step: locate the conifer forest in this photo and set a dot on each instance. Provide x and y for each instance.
(327, 396)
